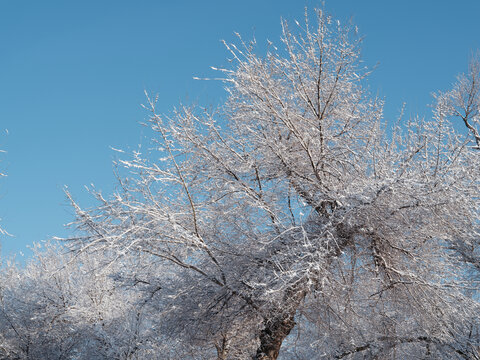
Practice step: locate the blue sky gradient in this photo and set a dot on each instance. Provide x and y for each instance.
(72, 77)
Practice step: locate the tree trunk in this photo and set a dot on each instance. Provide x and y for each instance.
(272, 336)
(222, 349)
(280, 323)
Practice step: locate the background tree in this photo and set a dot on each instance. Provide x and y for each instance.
(65, 306)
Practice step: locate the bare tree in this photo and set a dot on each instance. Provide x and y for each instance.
(290, 222)
(463, 101)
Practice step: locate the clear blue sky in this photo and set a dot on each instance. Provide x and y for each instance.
(72, 76)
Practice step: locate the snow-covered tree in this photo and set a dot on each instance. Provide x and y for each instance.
(64, 306)
(292, 222)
